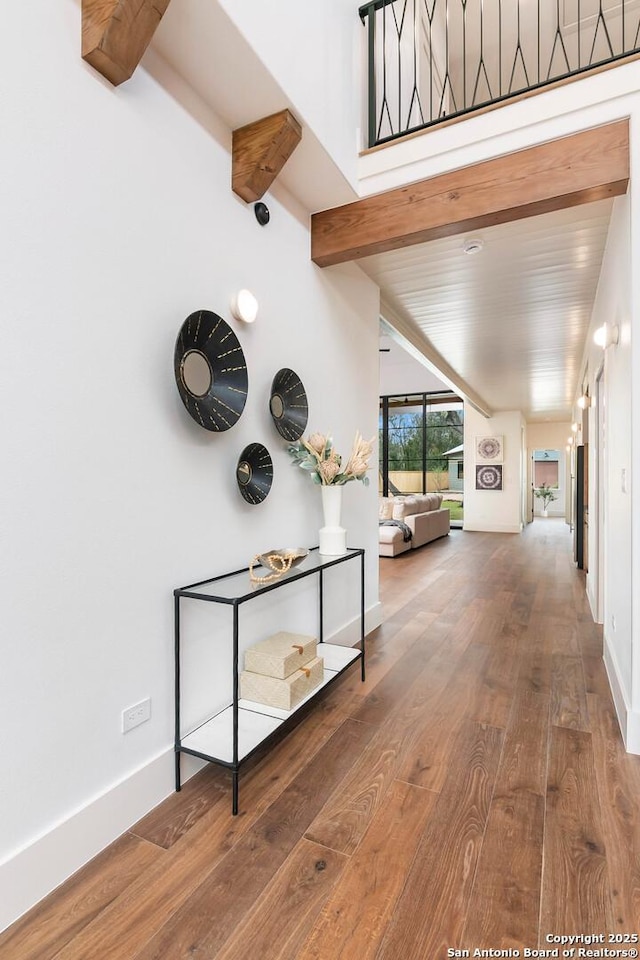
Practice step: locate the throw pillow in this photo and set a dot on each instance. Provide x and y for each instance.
(385, 508)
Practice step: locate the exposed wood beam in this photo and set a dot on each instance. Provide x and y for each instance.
(420, 348)
(576, 169)
(260, 151)
(116, 33)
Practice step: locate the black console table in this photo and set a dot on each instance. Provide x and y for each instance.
(233, 734)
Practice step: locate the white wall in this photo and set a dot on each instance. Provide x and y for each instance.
(118, 221)
(613, 305)
(315, 54)
(494, 510)
(406, 376)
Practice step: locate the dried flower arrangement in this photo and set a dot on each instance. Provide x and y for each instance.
(317, 456)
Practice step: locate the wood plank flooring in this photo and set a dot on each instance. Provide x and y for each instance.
(473, 794)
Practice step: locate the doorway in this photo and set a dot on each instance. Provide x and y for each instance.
(548, 480)
(595, 588)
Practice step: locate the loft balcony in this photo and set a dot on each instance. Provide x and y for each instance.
(433, 60)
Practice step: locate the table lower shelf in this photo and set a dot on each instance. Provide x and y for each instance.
(213, 740)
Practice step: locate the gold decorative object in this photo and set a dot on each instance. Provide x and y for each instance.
(278, 561)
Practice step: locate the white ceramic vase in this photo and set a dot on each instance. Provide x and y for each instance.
(333, 537)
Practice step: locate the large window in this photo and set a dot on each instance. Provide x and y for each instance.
(405, 456)
(421, 437)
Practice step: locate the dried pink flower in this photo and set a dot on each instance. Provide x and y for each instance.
(317, 443)
(328, 470)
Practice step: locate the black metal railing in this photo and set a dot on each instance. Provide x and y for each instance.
(429, 60)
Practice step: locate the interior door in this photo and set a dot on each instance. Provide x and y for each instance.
(582, 506)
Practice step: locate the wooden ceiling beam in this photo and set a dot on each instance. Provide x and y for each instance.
(260, 151)
(579, 168)
(116, 33)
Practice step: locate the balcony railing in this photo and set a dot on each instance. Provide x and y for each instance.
(430, 60)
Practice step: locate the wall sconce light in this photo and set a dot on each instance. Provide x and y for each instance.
(574, 427)
(570, 440)
(244, 306)
(607, 335)
(584, 401)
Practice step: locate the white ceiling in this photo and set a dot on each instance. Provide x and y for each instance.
(509, 322)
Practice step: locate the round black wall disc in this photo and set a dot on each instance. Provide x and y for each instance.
(254, 473)
(210, 371)
(288, 404)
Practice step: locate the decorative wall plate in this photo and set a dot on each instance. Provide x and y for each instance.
(288, 404)
(210, 370)
(489, 478)
(489, 449)
(254, 473)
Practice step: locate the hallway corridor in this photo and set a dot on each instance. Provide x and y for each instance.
(474, 793)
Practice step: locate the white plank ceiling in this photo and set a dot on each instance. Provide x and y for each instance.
(510, 321)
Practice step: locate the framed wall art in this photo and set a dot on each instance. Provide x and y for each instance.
(489, 477)
(489, 449)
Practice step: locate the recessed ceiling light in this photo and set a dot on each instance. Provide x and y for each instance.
(473, 246)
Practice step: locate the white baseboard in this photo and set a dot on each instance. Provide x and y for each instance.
(633, 732)
(37, 869)
(591, 599)
(349, 634)
(492, 527)
(628, 719)
(41, 866)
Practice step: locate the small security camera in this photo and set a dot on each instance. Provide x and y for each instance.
(261, 211)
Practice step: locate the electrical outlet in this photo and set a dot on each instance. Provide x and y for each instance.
(135, 715)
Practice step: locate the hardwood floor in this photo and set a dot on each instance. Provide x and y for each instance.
(473, 793)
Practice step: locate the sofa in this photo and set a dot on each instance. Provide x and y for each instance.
(409, 522)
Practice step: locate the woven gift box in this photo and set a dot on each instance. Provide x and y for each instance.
(282, 692)
(280, 655)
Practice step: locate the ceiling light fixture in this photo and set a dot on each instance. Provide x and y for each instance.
(607, 335)
(473, 246)
(244, 306)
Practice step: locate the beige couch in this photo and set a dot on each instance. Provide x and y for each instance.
(421, 513)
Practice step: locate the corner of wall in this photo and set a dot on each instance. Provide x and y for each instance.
(628, 719)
